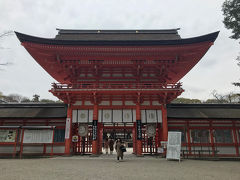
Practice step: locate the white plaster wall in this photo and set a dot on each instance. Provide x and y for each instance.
(104, 103)
(129, 103)
(159, 113)
(117, 115)
(134, 115)
(77, 103)
(155, 103)
(90, 115)
(33, 149)
(146, 103)
(226, 150)
(117, 103)
(56, 149)
(77, 118)
(145, 116)
(74, 116)
(100, 115)
(88, 103)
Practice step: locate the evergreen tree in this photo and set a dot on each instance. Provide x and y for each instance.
(231, 13)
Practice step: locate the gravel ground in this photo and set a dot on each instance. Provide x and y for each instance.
(107, 168)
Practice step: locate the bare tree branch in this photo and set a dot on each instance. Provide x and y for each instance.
(2, 35)
(5, 64)
(6, 33)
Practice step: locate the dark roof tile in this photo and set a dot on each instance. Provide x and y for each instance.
(33, 111)
(203, 111)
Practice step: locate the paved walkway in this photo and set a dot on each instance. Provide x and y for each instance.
(107, 168)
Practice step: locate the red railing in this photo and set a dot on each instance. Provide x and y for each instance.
(58, 86)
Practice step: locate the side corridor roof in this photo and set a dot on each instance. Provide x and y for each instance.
(177, 111)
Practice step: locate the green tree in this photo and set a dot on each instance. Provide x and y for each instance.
(231, 13)
(35, 98)
(47, 101)
(186, 101)
(211, 101)
(25, 100)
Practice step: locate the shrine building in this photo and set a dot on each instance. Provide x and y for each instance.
(118, 84)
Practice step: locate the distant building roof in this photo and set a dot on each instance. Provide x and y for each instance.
(204, 111)
(33, 110)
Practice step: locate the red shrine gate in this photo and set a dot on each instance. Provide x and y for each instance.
(117, 123)
(121, 115)
(116, 80)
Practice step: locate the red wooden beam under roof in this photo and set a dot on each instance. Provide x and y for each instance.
(156, 56)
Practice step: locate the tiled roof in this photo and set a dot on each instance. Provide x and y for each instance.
(180, 111)
(35, 110)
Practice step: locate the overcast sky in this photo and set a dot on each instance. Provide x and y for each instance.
(216, 70)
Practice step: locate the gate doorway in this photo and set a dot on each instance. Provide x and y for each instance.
(151, 143)
(82, 144)
(114, 131)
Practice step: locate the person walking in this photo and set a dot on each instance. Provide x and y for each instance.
(111, 143)
(106, 145)
(118, 149)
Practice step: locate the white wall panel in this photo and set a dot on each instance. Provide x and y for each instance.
(117, 103)
(107, 115)
(56, 149)
(143, 116)
(38, 136)
(155, 103)
(105, 103)
(127, 115)
(117, 116)
(32, 149)
(159, 113)
(134, 115)
(151, 116)
(82, 116)
(88, 103)
(74, 116)
(129, 103)
(90, 115)
(99, 115)
(78, 103)
(226, 150)
(146, 103)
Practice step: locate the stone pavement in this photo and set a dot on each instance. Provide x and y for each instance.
(105, 167)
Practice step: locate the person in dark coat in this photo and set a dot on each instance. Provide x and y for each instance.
(106, 145)
(111, 143)
(118, 149)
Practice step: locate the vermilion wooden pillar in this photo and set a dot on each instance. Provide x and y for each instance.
(138, 139)
(159, 134)
(235, 138)
(164, 123)
(95, 125)
(68, 131)
(100, 140)
(189, 138)
(212, 138)
(134, 138)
